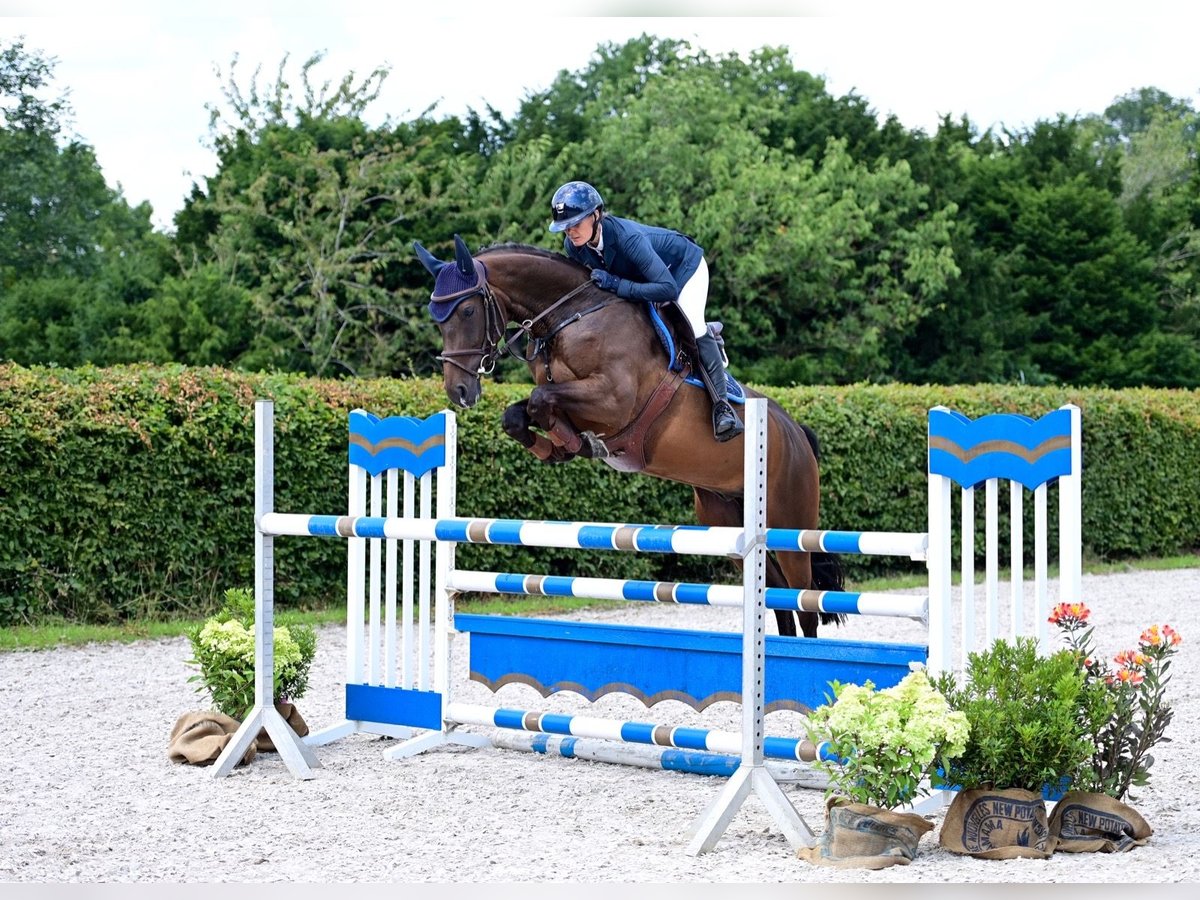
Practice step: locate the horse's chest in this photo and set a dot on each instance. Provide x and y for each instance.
(572, 358)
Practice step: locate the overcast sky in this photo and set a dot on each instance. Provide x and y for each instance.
(139, 81)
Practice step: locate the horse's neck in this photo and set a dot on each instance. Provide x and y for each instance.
(529, 296)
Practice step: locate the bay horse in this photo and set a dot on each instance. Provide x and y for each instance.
(608, 388)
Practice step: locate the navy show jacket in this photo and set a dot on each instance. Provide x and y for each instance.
(653, 264)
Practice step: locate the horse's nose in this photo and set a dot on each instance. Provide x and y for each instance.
(465, 395)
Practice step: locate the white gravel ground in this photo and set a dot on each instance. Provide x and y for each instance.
(90, 796)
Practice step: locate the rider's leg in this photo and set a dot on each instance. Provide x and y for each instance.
(726, 423)
(692, 301)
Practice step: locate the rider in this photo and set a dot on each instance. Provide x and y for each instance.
(650, 264)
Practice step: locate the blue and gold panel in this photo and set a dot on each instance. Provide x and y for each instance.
(1009, 446)
(397, 442)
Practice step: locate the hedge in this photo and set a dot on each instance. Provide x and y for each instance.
(128, 492)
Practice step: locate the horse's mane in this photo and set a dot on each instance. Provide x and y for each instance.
(530, 250)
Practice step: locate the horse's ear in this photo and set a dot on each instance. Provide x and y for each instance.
(466, 265)
(428, 260)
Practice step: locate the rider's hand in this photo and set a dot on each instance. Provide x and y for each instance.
(605, 280)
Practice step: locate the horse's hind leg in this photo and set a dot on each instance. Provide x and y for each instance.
(715, 509)
(794, 570)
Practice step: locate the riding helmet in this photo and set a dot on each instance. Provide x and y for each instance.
(572, 203)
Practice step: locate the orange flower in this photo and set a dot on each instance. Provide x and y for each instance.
(1069, 612)
(1138, 713)
(1131, 659)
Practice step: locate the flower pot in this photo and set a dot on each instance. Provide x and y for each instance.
(997, 824)
(866, 837)
(1085, 822)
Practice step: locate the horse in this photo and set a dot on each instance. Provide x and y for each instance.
(607, 386)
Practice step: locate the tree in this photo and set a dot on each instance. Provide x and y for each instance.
(311, 215)
(51, 189)
(817, 269)
(76, 261)
(1160, 199)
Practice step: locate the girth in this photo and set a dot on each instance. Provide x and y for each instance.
(627, 448)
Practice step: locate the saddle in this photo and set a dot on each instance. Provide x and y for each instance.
(627, 448)
(676, 326)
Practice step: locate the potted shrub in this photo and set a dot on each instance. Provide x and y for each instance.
(1027, 740)
(223, 650)
(882, 747)
(1125, 713)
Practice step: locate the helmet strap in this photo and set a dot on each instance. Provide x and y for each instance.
(595, 238)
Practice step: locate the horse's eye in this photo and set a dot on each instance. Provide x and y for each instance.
(468, 310)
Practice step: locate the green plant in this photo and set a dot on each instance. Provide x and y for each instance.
(887, 742)
(223, 649)
(1125, 712)
(1023, 709)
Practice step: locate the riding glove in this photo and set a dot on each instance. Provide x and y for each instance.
(605, 280)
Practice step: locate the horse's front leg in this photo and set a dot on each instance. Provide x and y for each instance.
(555, 407)
(516, 422)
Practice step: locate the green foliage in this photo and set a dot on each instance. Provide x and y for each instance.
(223, 650)
(58, 219)
(126, 490)
(842, 249)
(888, 743)
(1023, 710)
(308, 224)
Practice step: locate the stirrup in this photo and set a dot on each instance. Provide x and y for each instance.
(723, 411)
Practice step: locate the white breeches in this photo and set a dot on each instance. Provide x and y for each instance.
(694, 297)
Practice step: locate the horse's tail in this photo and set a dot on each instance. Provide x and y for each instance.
(828, 575)
(827, 571)
(812, 440)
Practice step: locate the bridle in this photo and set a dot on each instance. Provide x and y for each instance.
(493, 332)
(496, 339)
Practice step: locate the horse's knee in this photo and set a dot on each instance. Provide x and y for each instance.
(541, 407)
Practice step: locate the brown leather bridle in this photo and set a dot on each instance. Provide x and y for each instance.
(495, 320)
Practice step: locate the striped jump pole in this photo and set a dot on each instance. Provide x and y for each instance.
(719, 765)
(680, 738)
(864, 603)
(700, 540)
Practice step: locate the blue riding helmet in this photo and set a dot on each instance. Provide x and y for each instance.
(572, 203)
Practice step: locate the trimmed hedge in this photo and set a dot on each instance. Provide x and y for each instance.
(128, 492)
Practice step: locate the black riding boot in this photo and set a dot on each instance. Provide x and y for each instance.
(726, 424)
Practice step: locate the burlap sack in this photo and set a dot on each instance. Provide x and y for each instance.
(292, 716)
(1084, 822)
(997, 824)
(866, 837)
(199, 737)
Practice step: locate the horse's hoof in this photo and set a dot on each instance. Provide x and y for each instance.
(593, 447)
